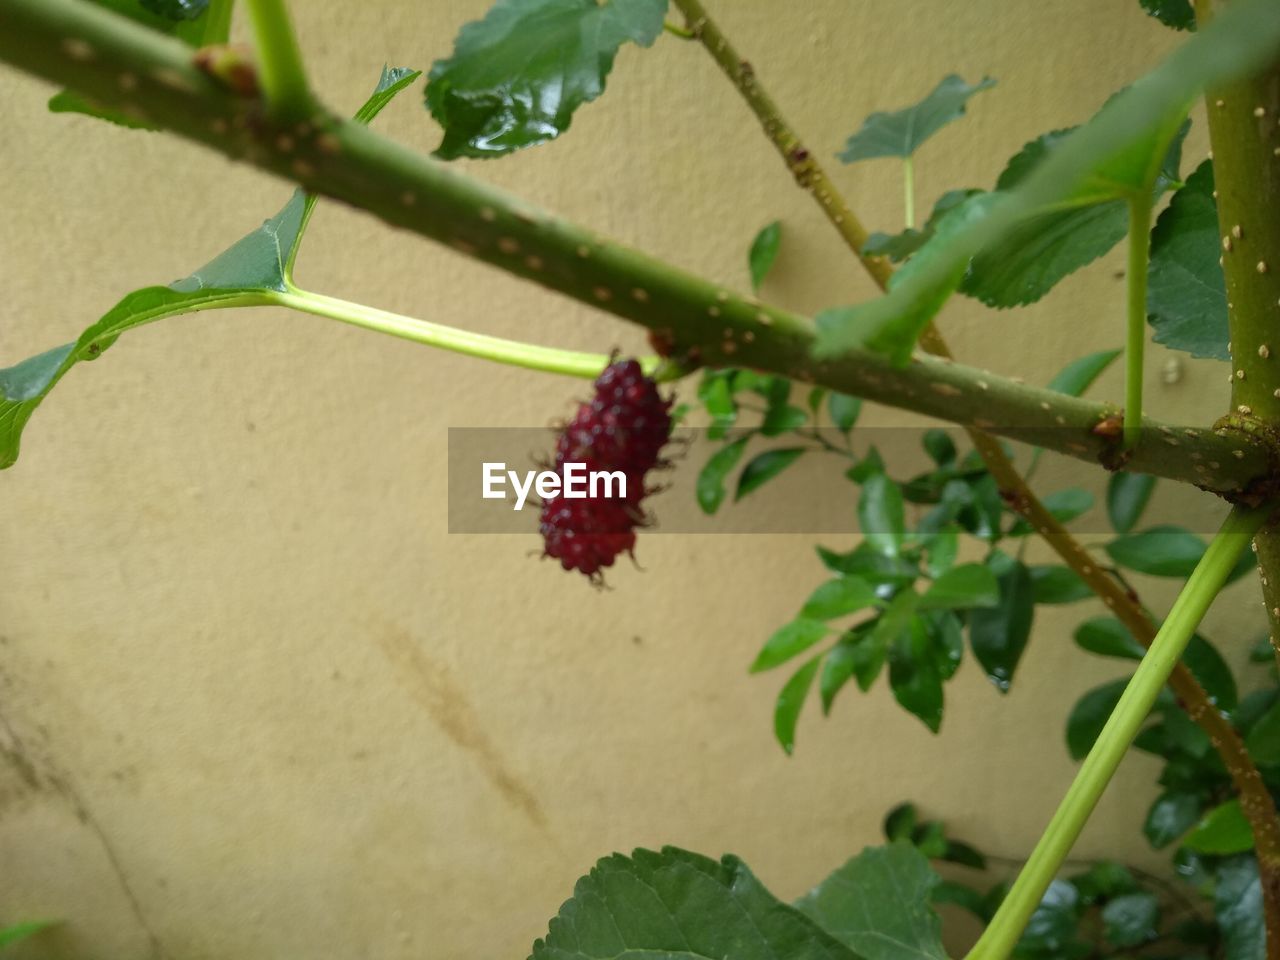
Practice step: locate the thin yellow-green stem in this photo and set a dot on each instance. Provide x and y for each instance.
(1136, 330)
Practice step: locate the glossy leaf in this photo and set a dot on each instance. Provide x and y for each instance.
(1223, 830)
(836, 598)
(900, 133)
(1053, 924)
(879, 905)
(710, 489)
(1131, 919)
(763, 252)
(1178, 14)
(764, 468)
(881, 514)
(1237, 902)
(1186, 291)
(1089, 715)
(837, 668)
(1264, 737)
(999, 634)
(914, 676)
(1127, 497)
(1078, 375)
(1066, 505)
(1057, 584)
(788, 641)
(1171, 815)
(1163, 551)
(940, 447)
(176, 9)
(1108, 637)
(965, 586)
(516, 77)
(790, 701)
(1206, 663)
(844, 410)
(679, 904)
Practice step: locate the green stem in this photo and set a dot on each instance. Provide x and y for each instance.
(677, 31)
(513, 352)
(281, 74)
(217, 21)
(909, 191)
(1139, 253)
(1208, 578)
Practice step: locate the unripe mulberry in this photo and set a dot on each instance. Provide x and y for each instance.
(622, 428)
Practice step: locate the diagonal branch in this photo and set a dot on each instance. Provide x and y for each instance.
(126, 66)
(1256, 800)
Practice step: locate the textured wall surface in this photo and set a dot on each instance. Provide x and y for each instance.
(255, 701)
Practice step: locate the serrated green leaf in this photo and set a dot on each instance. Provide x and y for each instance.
(879, 905)
(1163, 551)
(966, 586)
(1178, 14)
(764, 468)
(1078, 375)
(245, 274)
(516, 76)
(1131, 919)
(786, 711)
(1186, 292)
(1172, 814)
(710, 489)
(1264, 737)
(881, 514)
(901, 132)
(763, 252)
(1223, 830)
(1057, 584)
(1127, 497)
(1089, 715)
(789, 641)
(999, 634)
(1237, 906)
(838, 598)
(898, 247)
(676, 904)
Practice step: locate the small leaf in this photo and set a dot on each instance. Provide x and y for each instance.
(788, 641)
(1055, 584)
(1053, 924)
(836, 598)
(392, 81)
(1264, 737)
(914, 676)
(999, 634)
(1108, 637)
(1127, 496)
(790, 700)
(1090, 715)
(764, 468)
(940, 447)
(1163, 551)
(1223, 830)
(899, 134)
(1066, 505)
(900, 822)
(1132, 919)
(677, 903)
(516, 77)
(1078, 375)
(881, 514)
(844, 410)
(879, 905)
(1186, 292)
(764, 251)
(1237, 906)
(783, 418)
(710, 485)
(965, 586)
(1173, 814)
(1172, 13)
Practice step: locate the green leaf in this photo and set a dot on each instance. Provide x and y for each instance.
(965, 897)
(516, 77)
(392, 81)
(999, 634)
(675, 904)
(1264, 737)
(837, 668)
(900, 822)
(1223, 830)
(176, 9)
(21, 931)
(898, 247)
(1102, 881)
(914, 676)
(1078, 375)
(783, 418)
(1186, 292)
(940, 447)
(1173, 814)
(243, 275)
(764, 468)
(764, 251)
(1206, 663)
(710, 486)
(1108, 637)
(879, 905)
(788, 641)
(1164, 551)
(1053, 924)
(900, 133)
(1066, 505)
(1055, 584)
(836, 598)
(1089, 715)
(844, 410)
(1127, 496)
(1178, 14)
(1131, 919)
(881, 513)
(792, 697)
(1237, 906)
(962, 587)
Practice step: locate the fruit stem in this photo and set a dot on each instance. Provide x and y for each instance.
(1208, 578)
(1136, 339)
(281, 74)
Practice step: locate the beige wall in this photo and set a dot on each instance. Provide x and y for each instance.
(257, 703)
